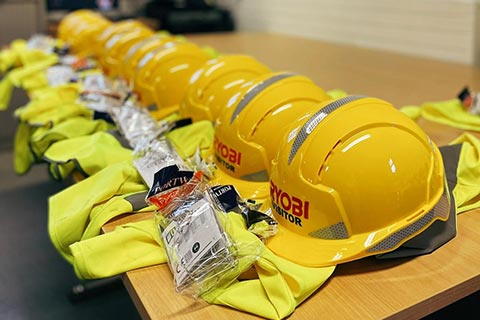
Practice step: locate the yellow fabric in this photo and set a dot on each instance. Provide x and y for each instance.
(467, 190)
(30, 56)
(35, 81)
(46, 99)
(89, 204)
(336, 93)
(449, 112)
(87, 154)
(10, 56)
(281, 285)
(129, 246)
(38, 93)
(19, 45)
(19, 74)
(413, 112)
(188, 139)
(77, 126)
(23, 158)
(77, 213)
(170, 118)
(18, 55)
(8, 59)
(114, 207)
(6, 89)
(53, 115)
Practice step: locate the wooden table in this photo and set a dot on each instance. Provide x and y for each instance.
(367, 288)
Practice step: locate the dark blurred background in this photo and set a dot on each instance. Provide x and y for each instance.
(175, 16)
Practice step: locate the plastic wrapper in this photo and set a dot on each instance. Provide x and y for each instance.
(166, 184)
(198, 249)
(78, 63)
(204, 250)
(98, 93)
(151, 156)
(470, 100)
(59, 74)
(227, 199)
(198, 163)
(136, 124)
(41, 42)
(261, 223)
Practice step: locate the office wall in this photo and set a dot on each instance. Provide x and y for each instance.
(440, 29)
(21, 19)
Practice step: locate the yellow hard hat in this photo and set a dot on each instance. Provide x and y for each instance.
(81, 39)
(116, 28)
(215, 82)
(79, 27)
(74, 20)
(357, 178)
(162, 75)
(140, 49)
(249, 128)
(117, 47)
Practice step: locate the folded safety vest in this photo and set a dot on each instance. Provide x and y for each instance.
(31, 122)
(85, 154)
(15, 77)
(79, 211)
(449, 112)
(9, 57)
(197, 136)
(129, 246)
(43, 137)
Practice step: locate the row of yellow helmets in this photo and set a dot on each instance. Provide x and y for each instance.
(345, 177)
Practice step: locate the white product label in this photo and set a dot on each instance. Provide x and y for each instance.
(194, 241)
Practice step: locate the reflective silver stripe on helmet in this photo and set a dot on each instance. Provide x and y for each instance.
(137, 46)
(150, 54)
(255, 91)
(314, 120)
(335, 231)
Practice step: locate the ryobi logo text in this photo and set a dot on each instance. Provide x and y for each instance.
(288, 206)
(227, 156)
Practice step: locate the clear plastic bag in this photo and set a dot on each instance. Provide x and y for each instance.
(150, 156)
(136, 124)
(198, 249)
(227, 199)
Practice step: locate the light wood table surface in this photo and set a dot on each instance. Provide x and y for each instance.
(367, 288)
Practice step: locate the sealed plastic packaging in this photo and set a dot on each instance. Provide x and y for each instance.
(197, 246)
(227, 199)
(152, 155)
(102, 94)
(136, 124)
(203, 251)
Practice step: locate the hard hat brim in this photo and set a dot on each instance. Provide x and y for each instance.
(316, 252)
